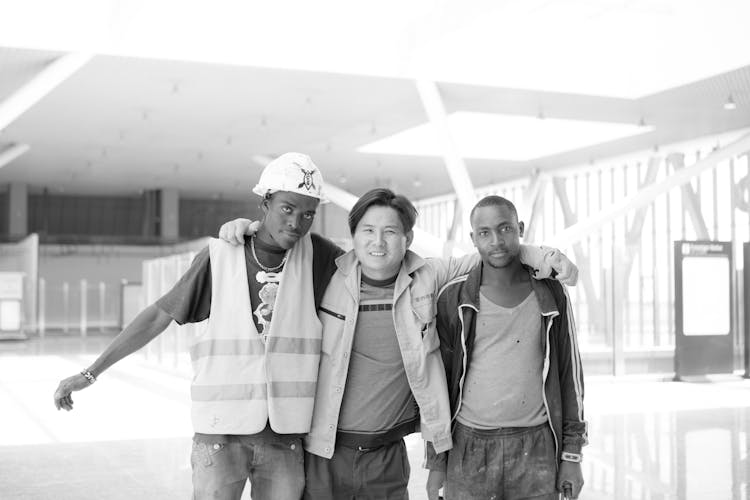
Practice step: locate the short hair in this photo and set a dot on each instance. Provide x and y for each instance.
(382, 197)
(494, 201)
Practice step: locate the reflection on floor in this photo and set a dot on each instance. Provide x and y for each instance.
(129, 435)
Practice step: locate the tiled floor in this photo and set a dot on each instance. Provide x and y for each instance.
(129, 435)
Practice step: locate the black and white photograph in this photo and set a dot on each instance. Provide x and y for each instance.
(359, 250)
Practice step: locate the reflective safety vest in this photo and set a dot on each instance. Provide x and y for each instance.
(240, 382)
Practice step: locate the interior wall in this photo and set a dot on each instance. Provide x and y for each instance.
(200, 217)
(85, 215)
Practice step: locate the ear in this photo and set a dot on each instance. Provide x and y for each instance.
(265, 205)
(471, 235)
(409, 238)
(520, 229)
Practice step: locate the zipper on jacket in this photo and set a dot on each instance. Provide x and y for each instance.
(334, 314)
(545, 372)
(463, 361)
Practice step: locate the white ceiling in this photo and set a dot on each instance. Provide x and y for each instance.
(186, 97)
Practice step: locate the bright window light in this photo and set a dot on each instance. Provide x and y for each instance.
(605, 47)
(503, 137)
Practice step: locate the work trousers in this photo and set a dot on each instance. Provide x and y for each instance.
(516, 463)
(358, 473)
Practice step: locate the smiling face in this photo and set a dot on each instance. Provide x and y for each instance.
(288, 217)
(496, 234)
(380, 242)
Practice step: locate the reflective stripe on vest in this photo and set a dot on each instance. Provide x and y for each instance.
(227, 392)
(241, 347)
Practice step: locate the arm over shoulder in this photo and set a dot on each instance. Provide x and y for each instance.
(450, 268)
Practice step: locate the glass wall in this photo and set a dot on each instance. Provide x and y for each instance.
(624, 301)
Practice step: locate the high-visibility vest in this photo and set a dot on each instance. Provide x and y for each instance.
(241, 382)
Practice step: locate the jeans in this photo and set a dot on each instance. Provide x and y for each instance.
(516, 463)
(273, 463)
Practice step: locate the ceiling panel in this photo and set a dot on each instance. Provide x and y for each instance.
(121, 124)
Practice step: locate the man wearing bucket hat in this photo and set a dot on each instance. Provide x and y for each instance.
(256, 363)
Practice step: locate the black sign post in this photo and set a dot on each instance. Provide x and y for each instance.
(703, 308)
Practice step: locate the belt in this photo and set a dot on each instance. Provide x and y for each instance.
(499, 432)
(372, 441)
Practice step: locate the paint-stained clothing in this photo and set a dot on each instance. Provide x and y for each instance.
(274, 463)
(562, 374)
(502, 464)
(503, 387)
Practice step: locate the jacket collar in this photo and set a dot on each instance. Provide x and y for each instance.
(470, 291)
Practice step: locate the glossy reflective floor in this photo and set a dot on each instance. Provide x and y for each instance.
(129, 435)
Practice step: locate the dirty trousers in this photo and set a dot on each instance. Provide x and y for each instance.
(516, 463)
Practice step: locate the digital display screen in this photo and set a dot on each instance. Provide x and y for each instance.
(706, 296)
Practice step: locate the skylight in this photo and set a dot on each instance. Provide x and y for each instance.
(503, 137)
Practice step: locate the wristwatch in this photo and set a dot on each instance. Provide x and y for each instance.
(571, 457)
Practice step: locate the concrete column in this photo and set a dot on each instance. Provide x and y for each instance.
(170, 214)
(17, 210)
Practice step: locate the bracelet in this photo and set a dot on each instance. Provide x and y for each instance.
(89, 376)
(571, 457)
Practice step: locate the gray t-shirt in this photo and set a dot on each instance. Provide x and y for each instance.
(503, 387)
(377, 395)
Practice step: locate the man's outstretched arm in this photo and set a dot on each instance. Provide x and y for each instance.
(142, 330)
(547, 262)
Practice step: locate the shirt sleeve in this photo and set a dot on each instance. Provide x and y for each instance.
(189, 300)
(452, 267)
(570, 371)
